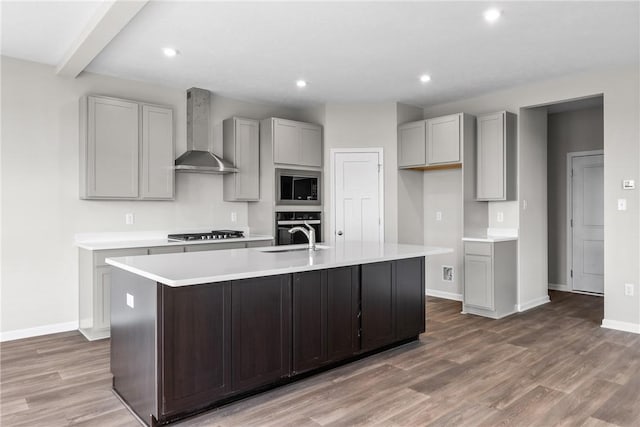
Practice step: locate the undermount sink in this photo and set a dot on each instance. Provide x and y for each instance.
(291, 248)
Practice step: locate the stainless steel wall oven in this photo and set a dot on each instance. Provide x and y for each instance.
(287, 220)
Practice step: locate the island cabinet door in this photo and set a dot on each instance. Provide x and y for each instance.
(261, 331)
(343, 305)
(194, 331)
(378, 305)
(309, 320)
(325, 317)
(410, 290)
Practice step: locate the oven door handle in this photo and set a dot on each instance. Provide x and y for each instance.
(298, 222)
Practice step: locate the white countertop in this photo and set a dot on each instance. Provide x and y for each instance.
(191, 268)
(99, 245)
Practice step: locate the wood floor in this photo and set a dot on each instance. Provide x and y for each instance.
(550, 366)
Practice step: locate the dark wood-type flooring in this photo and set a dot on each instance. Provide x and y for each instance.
(550, 366)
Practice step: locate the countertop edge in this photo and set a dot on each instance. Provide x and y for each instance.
(271, 272)
(152, 243)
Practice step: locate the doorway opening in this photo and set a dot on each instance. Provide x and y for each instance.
(575, 191)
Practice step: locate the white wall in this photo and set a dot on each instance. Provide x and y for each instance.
(532, 193)
(621, 90)
(568, 132)
(443, 193)
(41, 211)
(364, 125)
(410, 190)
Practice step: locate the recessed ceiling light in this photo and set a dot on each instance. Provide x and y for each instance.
(492, 15)
(301, 83)
(425, 78)
(169, 52)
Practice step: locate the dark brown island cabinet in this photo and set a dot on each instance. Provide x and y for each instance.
(182, 350)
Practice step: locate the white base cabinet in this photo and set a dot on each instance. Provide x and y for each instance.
(490, 278)
(95, 280)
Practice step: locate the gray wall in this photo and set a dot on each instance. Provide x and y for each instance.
(410, 190)
(41, 210)
(569, 131)
(620, 88)
(364, 126)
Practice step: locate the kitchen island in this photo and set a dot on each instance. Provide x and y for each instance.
(192, 331)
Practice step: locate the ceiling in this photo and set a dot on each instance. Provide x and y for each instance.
(347, 52)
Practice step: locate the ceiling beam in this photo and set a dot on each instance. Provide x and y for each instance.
(104, 25)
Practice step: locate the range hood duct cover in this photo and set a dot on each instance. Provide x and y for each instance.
(198, 158)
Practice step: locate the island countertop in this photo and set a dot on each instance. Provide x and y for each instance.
(191, 268)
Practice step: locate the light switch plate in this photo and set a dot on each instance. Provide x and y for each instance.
(438, 216)
(130, 300)
(622, 204)
(628, 289)
(500, 217)
(129, 219)
(628, 184)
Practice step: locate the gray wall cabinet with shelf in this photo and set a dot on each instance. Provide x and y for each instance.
(95, 279)
(241, 146)
(126, 150)
(296, 143)
(412, 147)
(430, 143)
(496, 157)
(490, 281)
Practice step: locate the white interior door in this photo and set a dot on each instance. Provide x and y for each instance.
(587, 193)
(357, 197)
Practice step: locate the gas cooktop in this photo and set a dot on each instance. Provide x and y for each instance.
(209, 235)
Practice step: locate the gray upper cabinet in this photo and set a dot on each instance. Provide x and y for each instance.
(157, 172)
(126, 150)
(443, 135)
(431, 144)
(310, 145)
(297, 143)
(412, 147)
(496, 157)
(241, 146)
(109, 148)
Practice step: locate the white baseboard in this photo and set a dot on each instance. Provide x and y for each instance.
(559, 287)
(621, 326)
(443, 294)
(533, 303)
(37, 331)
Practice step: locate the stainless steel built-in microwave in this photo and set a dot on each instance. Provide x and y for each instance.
(297, 187)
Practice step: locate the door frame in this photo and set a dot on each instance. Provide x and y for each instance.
(569, 213)
(332, 185)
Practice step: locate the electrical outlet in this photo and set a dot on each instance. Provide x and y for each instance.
(500, 217)
(438, 216)
(524, 205)
(130, 300)
(628, 289)
(622, 204)
(447, 273)
(234, 216)
(129, 219)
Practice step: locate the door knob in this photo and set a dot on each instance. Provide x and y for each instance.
(340, 233)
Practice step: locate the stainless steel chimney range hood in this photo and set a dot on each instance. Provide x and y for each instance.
(198, 158)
